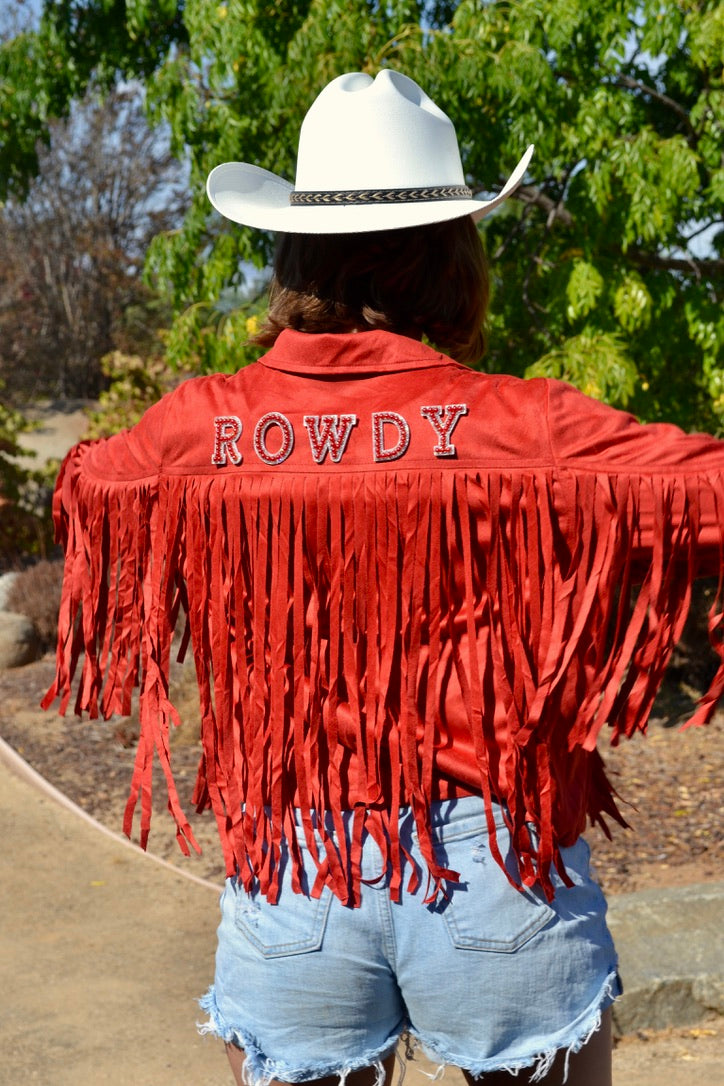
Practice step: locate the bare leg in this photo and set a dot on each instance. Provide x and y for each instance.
(589, 1067)
(367, 1076)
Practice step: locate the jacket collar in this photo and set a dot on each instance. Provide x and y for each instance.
(350, 352)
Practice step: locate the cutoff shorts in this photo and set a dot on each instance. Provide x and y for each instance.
(487, 978)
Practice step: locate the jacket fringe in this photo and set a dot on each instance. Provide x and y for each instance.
(318, 608)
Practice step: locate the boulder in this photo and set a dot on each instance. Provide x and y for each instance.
(7, 580)
(19, 643)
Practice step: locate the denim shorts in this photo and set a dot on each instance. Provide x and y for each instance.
(487, 978)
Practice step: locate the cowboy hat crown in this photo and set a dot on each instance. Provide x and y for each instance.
(374, 154)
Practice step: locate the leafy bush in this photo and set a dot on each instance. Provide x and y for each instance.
(25, 525)
(134, 383)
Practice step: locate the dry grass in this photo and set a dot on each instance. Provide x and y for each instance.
(35, 593)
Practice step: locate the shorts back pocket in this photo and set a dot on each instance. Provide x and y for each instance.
(483, 911)
(295, 925)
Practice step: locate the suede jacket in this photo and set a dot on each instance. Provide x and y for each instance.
(402, 580)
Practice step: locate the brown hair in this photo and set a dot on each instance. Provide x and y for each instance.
(420, 280)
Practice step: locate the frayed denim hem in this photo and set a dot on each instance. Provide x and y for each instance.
(572, 1040)
(259, 1070)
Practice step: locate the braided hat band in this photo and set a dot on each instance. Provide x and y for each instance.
(380, 196)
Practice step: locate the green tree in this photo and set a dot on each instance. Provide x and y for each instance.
(607, 267)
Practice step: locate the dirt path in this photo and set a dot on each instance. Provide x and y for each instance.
(105, 950)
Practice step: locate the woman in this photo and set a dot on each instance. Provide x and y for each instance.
(409, 588)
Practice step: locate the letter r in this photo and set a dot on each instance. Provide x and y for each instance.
(227, 431)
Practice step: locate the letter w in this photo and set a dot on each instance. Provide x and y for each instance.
(329, 434)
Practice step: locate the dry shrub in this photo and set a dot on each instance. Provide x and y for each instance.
(35, 593)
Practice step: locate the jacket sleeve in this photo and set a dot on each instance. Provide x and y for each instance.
(644, 504)
(130, 455)
(122, 589)
(674, 473)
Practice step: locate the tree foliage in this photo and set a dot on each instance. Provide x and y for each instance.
(43, 71)
(607, 267)
(25, 527)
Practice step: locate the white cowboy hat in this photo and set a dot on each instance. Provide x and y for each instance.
(374, 154)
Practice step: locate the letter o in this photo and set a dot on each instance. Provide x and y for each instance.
(273, 418)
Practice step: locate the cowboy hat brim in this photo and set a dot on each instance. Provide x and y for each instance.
(252, 196)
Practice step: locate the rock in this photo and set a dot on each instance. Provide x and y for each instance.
(671, 946)
(6, 583)
(19, 643)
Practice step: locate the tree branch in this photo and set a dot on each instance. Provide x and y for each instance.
(518, 225)
(702, 229)
(702, 269)
(553, 209)
(675, 107)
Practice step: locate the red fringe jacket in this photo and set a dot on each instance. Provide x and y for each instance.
(401, 580)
